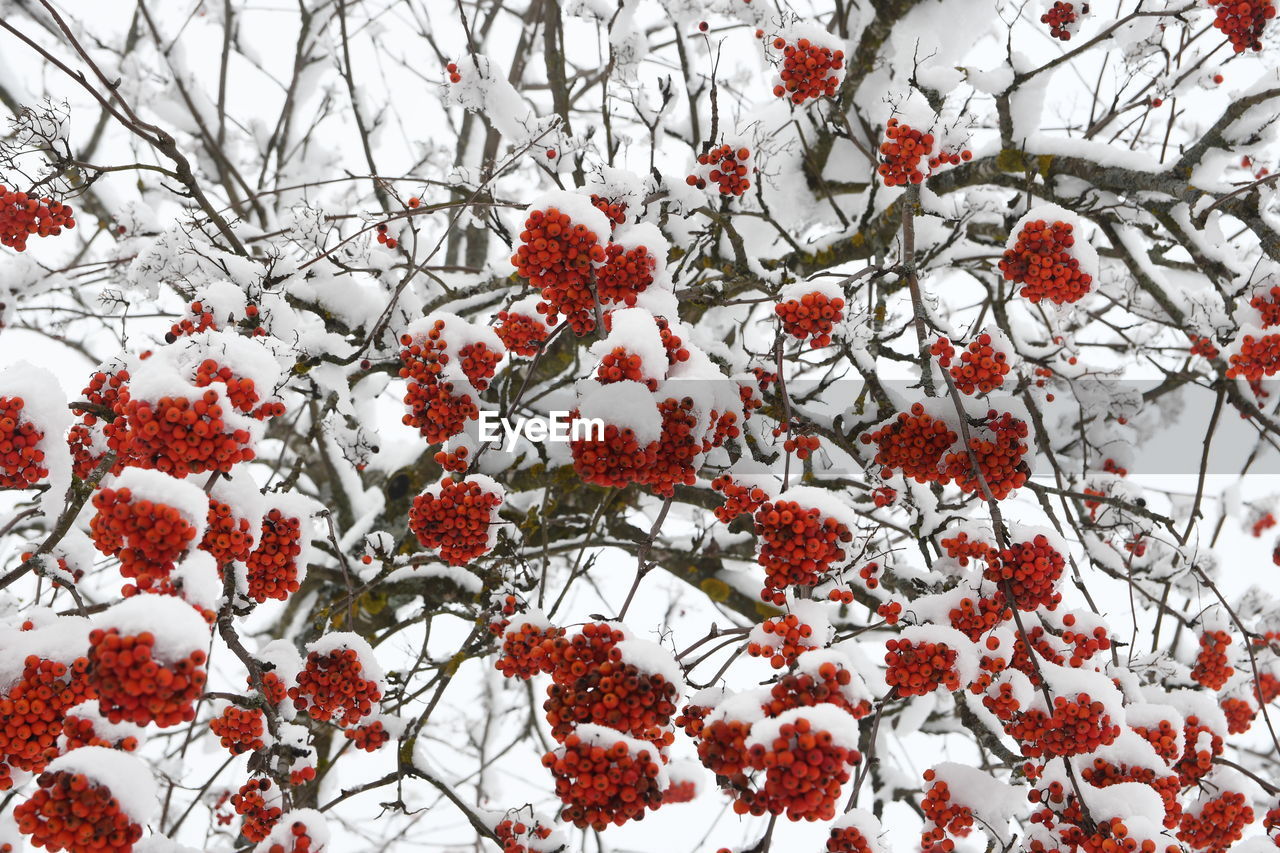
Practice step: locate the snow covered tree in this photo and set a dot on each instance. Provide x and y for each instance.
(723, 425)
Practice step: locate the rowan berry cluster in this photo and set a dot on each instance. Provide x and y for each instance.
(999, 445)
(1042, 262)
(625, 274)
(1031, 570)
(133, 683)
(679, 448)
(615, 460)
(271, 569)
(434, 409)
(1201, 744)
(917, 668)
(557, 256)
(884, 496)
(200, 319)
(1212, 669)
(620, 365)
(22, 215)
(478, 363)
(603, 781)
(21, 458)
(808, 70)
(804, 768)
(785, 638)
(260, 816)
(1239, 714)
(982, 368)
(87, 438)
(948, 818)
(901, 153)
(521, 334)
(455, 519)
(1060, 18)
(615, 210)
(975, 619)
(798, 545)
(69, 811)
(914, 443)
(1258, 357)
(1268, 307)
(332, 686)
(726, 167)
(242, 393)
(80, 731)
(524, 649)
(739, 499)
(1243, 22)
(147, 537)
(516, 836)
(592, 683)
(811, 316)
(239, 730)
(370, 738)
(1084, 644)
(177, 435)
(226, 537)
(31, 713)
(1076, 726)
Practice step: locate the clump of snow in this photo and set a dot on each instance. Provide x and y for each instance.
(56, 638)
(606, 738)
(627, 405)
(634, 330)
(993, 802)
(822, 717)
(44, 405)
(159, 488)
(868, 827)
(197, 577)
(578, 208)
(178, 629)
(128, 778)
(652, 659)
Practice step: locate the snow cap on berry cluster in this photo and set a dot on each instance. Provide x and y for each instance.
(457, 334)
(824, 716)
(825, 501)
(819, 37)
(61, 639)
(338, 641)
(578, 208)
(178, 629)
(993, 803)
(868, 827)
(649, 657)
(282, 833)
(127, 777)
(626, 404)
(856, 691)
(649, 236)
(44, 405)
(967, 652)
(159, 488)
(197, 575)
(102, 727)
(634, 330)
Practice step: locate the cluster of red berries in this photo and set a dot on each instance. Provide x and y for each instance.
(31, 713)
(478, 363)
(1103, 774)
(798, 545)
(1060, 17)
(914, 443)
(901, 153)
(226, 537)
(947, 818)
(524, 652)
(518, 837)
(1084, 644)
(604, 785)
(239, 729)
(81, 731)
(451, 68)
(1268, 307)
(811, 316)
(520, 333)
(804, 768)
(434, 409)
(1201, 744)
(177, 435)
(22, 215)
(808, 70)
(917, 668)
(87, 436)
(999, 445)
(1217, 824)
(200, 319)
(332, 686)
(615, 210)
(1203, 347)
(272, 566)
(1212, 669)
(241, 392)
(370, 738)
(384, 238)
(455, 519)
(1031, 570)
(801, 445)
(133, 684)
(982, 368)
(1076, 726)
(621, 365)
(69, 811)
(1258, 357)
(787, 638)
(615, 460)
(147, 537)
(625, 274)
(738, 498)
(1239, 714)
(728, 170)
(21, 459)
(883, 496)
(975, 619)
(592, 683)
(557, 255)
(679, 448)
(259, 815)
(1242, 22)
(1041, 261)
